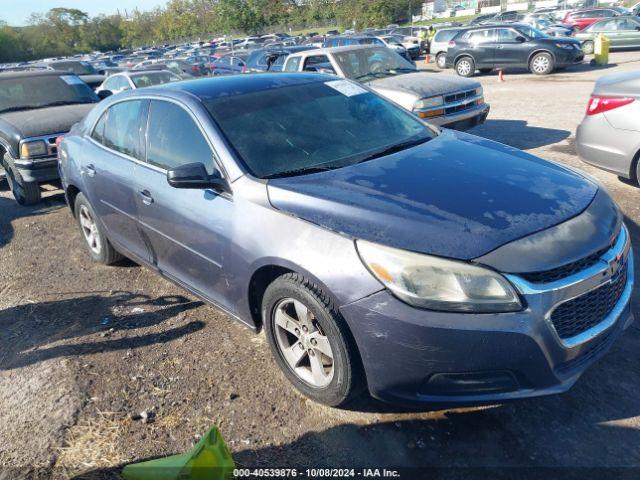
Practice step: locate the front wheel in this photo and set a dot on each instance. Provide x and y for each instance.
(588, 47)
(465, 67)
(25, 193)
(541, 64)
(310, 341)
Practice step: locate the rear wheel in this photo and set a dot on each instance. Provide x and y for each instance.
(588, 47)
(310, 341)
(96, 241)
(441, 60)
(541, 63)
(465, 67)
(25, 193)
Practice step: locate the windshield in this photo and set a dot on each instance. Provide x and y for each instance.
(154, 78)
(369, 63)
(79, 68)
(26, 93)
(532, 32)
(284, 131)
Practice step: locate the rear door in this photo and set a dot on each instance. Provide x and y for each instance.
(116, 148)
(187, 230)
(482, 46)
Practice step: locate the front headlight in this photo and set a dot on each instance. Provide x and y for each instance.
(479, 92)
(35, 148)
(428, 102)
(436, 283)
(566, 46)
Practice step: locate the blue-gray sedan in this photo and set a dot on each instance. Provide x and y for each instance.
(427, 266)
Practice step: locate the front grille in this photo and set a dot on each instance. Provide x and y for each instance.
(586, 311)
(456, 97)
(567, 269)
(595, 351)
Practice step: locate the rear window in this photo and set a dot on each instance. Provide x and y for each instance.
(25, 93)
(153, 78)
(445, 35)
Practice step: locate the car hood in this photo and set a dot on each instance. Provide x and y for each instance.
(457, 196)
(422, 84)
(15, 126)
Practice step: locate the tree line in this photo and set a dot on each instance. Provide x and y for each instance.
(65, 31)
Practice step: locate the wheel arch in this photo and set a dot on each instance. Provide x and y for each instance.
(540, 50)
(71, 193)
(264, 273)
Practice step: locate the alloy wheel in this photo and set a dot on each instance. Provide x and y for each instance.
(540, 64)
(90, 230)
(302, 343)
(464, 68)
(441, 60)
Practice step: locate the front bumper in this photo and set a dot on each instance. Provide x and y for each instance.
(38, 170)
(416, 357)
(600, 144)
(565, 58)
(462, 120)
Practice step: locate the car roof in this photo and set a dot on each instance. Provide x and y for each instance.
(230, 85)
(34, 73)
(344, 48)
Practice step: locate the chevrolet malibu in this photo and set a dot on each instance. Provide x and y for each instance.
(377, 252)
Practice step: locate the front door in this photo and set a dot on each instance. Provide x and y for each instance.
(187, 230)
(509, 51)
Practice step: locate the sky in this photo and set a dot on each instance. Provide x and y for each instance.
(16, 12)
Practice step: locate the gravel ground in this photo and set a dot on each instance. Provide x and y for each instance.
(85, 348)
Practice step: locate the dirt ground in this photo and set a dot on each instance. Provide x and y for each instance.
(84, 349)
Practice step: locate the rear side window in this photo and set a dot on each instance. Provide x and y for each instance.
(174, 139)
(120, 128)
(479, 36)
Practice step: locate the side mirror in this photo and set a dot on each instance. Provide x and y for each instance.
(520, 39)
(195, 176)
(638, 28)
(102, 94)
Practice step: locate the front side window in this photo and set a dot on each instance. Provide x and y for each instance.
(123, 127)
(506, 35)
(316, 61)
(292, 64)
(281, 131)
(174, 139)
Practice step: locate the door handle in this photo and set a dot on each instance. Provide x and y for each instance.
(499, 46)
(91, 171)
(147, 199)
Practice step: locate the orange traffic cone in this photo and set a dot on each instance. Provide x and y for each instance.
(500, 76)
(427, 59)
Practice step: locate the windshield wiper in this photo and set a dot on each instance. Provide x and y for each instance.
(298, 171)
(62, 102)
(371, 74)
(398, 147)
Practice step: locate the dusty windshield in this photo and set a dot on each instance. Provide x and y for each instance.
(25, 93)
(369, 63)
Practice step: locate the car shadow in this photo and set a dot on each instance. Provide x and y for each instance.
(517, 133)
(10, 211)
(35, 332)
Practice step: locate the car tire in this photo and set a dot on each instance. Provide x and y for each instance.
(588, 47)
(441, 61)
(310, 341)
(465, 67)
(25, 193)
(95, 239)
(541, 64)
(484, 71)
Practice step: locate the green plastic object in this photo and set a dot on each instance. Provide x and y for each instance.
(209, 460)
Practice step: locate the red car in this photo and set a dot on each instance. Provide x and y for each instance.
(581, 19)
